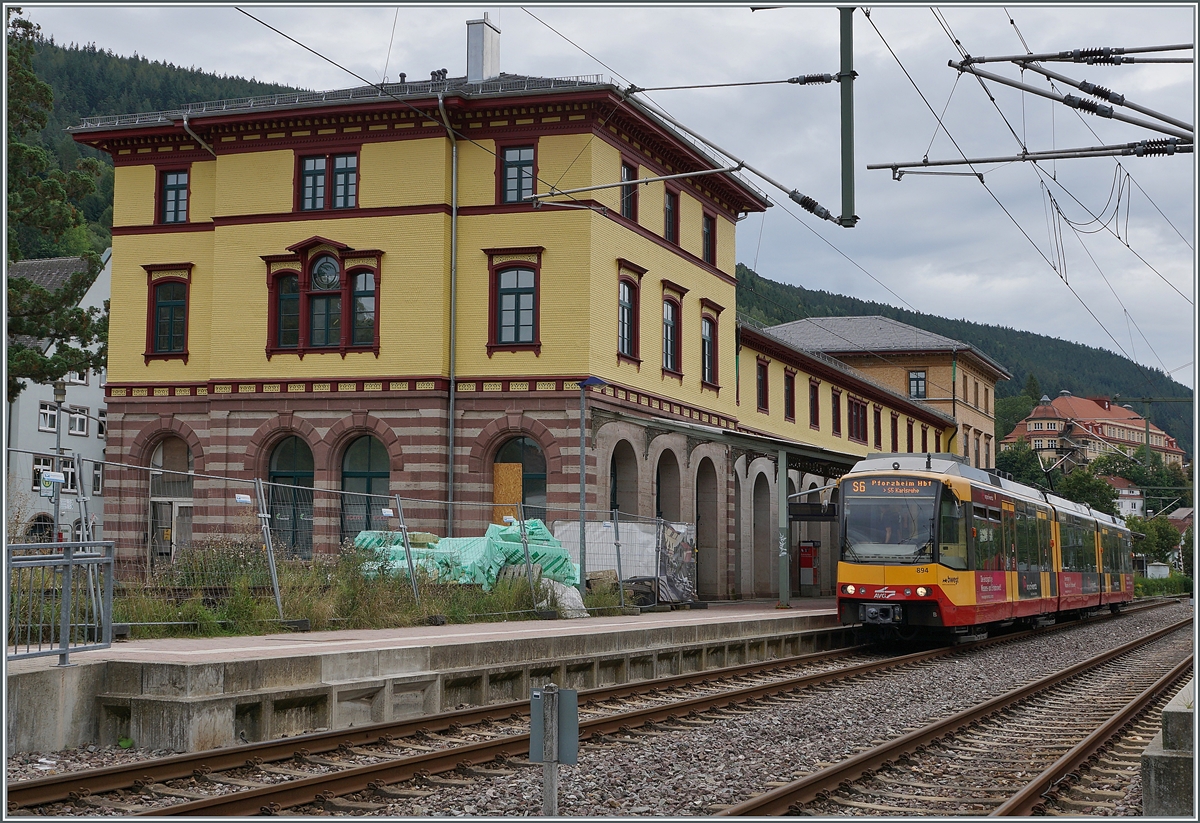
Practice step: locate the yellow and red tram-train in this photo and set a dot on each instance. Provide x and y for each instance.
(929, 543)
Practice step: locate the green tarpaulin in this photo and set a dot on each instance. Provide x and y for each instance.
(476, 560)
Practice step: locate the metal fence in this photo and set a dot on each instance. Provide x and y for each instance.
(205, 551)
(60, 598)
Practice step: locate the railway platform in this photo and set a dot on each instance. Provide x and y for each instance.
(189, 694)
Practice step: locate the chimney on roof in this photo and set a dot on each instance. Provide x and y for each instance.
(483, 50)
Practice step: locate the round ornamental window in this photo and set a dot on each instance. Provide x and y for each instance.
(325, 274)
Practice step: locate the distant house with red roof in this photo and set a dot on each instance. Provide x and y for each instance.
(1130, 500)
(1071, 431)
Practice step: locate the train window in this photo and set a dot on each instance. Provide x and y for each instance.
(1043, 535)
(988, 545)
(1028, 557)
(953, 537)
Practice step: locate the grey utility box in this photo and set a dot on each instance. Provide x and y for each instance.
(568, 727)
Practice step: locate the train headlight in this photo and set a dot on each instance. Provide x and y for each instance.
(922, 591)
(849, 588)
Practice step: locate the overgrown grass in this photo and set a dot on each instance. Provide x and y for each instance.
(225, 589)
(1159, 586)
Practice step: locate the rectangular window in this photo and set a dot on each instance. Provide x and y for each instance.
(41, 464)
(670, 352)
(77, 378)
(761, 377)
(910, 437)
(937, 442)
(878, 430)
(814, 405)
(97, 478)
(515, 295)
(312, 192)
(329, 182)
(976, 394)
(78, 422)
(102, 424)
(671, 217)
(627, 319)
(629, 192)
(289, 311)
(895, 432)
(345, 181)
(518, 173)
(789, 396)
(924, 439)
(174, 196)
(708, 236)
(835, 410)
(916, 384)
(70, 478)
(708, 351)
(857, 413)
(326, 319)
(170, 316)
(47, 417)
(987, 399)
(363, 294)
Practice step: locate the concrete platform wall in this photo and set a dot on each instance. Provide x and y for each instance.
(211, 704)
(1168, 771)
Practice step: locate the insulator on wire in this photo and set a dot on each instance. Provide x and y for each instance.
(1154, 148)
(810, 205)
(1102, 93)
(1088, 106)
(810, 79)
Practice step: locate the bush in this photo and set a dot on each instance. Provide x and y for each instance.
(1161, 586)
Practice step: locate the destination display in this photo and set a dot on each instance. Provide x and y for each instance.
(891, 486)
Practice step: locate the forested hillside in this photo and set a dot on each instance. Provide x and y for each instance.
(88, 81)
(1056, 364)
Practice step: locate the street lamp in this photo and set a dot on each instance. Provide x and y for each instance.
(584, 385)
(60, 396)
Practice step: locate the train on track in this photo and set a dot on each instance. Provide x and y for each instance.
(930, 546)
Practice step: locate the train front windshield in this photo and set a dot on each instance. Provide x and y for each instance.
(888, 520)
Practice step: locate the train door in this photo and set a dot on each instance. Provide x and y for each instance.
(1028, 554)
(1008, 531)
(1046, 545)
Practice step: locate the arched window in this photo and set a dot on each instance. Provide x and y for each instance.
(291, 497)
(365, 474)
(40, 529)
(363, 333)
(519, 476)
(325, 302)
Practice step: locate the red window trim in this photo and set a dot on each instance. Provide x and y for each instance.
(877, 420)
(630, 160)
(789, 374)
(514, 143)
(160, 171)
(853, 403)
(835, 410)
(635, 321)
(762, 399)
(895, 432)
(712, 216)
(715, 385)
(668, 188)
(814, 404)
(908, 440)
(328, 152)
(151, 282)
(299, 263)
(494, 269)
(678, 303)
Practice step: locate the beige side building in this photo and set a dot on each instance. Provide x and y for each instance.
(949, 375)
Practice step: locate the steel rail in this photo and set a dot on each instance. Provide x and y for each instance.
(778, 801)
(356, 779)
(54, 789)
(1024, 802)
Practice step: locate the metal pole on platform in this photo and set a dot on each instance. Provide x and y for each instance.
(64, 622)
(550, 750)
(264, 517)
(785, 577)
(60, 395)
(412, 575)
(616, 513)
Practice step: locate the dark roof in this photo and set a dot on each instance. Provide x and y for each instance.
(874, 333)
(51, 273)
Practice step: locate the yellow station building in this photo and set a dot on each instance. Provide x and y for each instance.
(340, 290)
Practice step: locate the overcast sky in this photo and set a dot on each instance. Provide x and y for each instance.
(943, 245)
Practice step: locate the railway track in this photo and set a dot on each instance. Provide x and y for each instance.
(1004, 756)
(369, 762)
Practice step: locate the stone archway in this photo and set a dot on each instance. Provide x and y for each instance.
(623, 478)
(666, 487)
(708, 520)
(764, 536)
